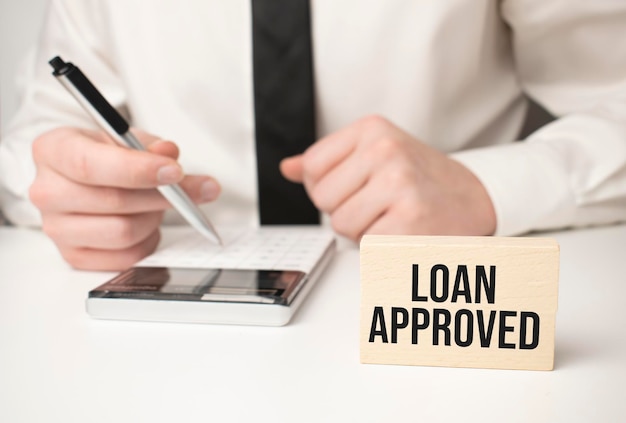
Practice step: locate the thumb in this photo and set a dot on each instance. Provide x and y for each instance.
(291, 168)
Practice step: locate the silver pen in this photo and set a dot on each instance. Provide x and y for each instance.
(117, 128)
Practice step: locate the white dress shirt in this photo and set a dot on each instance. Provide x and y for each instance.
(452, 73)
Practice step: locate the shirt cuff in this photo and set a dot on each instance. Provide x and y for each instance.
(525, 182)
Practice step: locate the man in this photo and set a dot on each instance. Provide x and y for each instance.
(418, 107)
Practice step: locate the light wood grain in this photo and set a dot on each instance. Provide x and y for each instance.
(524, 290)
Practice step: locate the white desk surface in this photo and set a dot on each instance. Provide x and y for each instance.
(59, 365)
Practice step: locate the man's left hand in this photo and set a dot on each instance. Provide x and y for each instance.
(372, 177)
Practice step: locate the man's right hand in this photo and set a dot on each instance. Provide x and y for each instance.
(97, 199)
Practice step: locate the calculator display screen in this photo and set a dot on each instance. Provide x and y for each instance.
(178, 284)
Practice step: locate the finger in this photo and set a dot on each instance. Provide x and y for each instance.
(412, 218)
(327, 153)
(387, 224)
(79, 158)
(52, 193)
(156, 144)
(339, 184)
(110, 232)
(164, 148)
(331, 150)
(146, 138)
(292, 168)
(151, 142)
(362, 210)
(110, 260)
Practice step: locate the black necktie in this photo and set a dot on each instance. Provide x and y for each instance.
(283, 104)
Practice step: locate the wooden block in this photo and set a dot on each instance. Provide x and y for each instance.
(483, 302)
